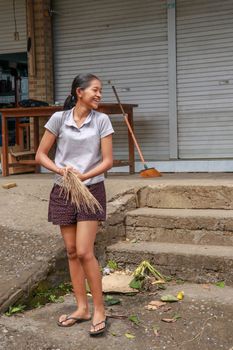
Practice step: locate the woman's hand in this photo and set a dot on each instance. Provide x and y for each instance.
(80, 175)
(63, 171)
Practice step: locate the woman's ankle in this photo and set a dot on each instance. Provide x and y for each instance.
(83, 308)
(100, 309)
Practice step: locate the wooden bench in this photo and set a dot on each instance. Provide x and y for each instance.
(21, 162)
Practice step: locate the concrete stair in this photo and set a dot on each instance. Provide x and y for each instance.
(199, 263)
(185, 231)
(187, 196)
(192, 226)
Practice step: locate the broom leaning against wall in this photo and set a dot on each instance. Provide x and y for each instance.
(146, 172)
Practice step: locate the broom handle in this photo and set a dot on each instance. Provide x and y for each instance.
(125, 115)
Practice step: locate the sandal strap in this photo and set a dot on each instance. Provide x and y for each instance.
(97, 324)
(68, 317)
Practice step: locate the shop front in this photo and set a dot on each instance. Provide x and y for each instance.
(171, 58)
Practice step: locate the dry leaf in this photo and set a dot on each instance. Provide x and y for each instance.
(155, 305)
(129, 335)
(153, 293)
(166, 309)
(151, 307)
(156, 331)
(159, 282)
(169, 320)
(206, 286)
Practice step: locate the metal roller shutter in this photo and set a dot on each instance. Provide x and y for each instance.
(124, 41)
(205, 78)
(8, 43)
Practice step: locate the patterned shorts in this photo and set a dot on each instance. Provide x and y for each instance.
(63, 212)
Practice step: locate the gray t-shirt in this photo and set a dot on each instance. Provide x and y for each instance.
(79, 147)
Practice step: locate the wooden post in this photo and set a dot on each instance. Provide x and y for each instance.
(31, 39)
(131, 143)
(5, 171)
(17, 98)
(36, 139)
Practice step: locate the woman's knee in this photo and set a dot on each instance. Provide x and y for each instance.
(71, 252)
(84, 255)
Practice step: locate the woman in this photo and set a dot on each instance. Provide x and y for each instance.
(84, 143)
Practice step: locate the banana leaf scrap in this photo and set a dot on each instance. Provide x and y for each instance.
(143, 271)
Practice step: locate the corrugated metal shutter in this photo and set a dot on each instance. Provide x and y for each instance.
(124, 41)
(7, 42)
(205, 78)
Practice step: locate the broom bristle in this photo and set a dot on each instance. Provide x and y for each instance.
(150, 172)
(78, 193)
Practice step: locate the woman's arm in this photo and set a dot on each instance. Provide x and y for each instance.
(107, 159)
(42, 158)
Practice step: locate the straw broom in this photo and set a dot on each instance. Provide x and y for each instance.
(78, 193)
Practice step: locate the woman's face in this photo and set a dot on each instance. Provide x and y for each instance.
(91, 96)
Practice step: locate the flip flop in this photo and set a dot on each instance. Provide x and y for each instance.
(99, 331)
(76, 320)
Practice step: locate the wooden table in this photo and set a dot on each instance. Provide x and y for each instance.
(37, 112)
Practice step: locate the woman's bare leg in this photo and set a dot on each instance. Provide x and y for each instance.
(85, 238)
(76, 273)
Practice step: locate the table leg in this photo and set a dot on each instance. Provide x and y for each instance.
(131, 144)
(36, 139)
(5, 166)
(17, 131)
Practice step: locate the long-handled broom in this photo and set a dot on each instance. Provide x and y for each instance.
(146, 172)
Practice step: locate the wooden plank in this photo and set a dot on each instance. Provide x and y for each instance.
(119, 162)
(21, 154)
(9, 185)
(27, 162)
(5, 171)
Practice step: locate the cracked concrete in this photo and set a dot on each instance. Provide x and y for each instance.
(204, 323)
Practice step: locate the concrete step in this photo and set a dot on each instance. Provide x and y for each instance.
(186, 196)
(196, 226)
(196, 263)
